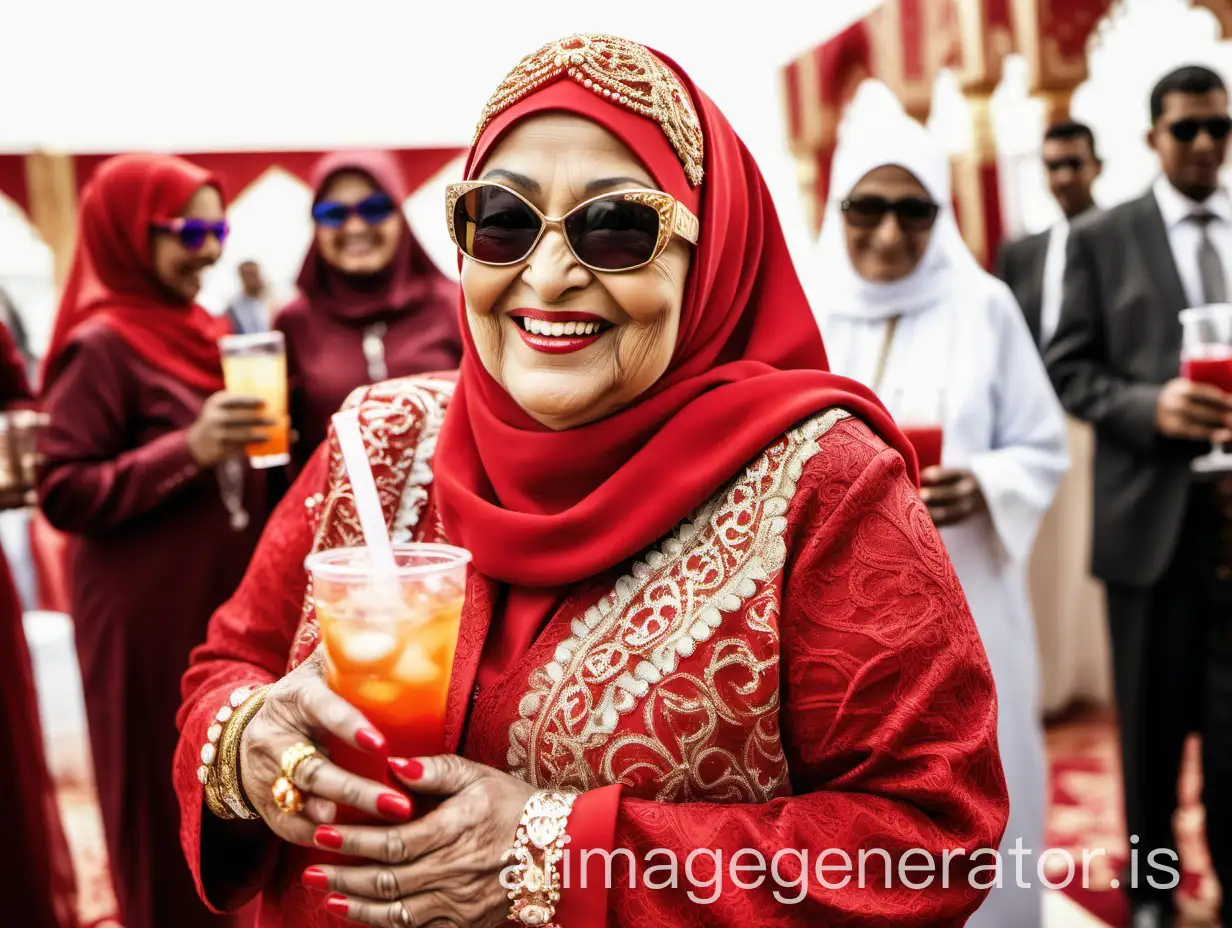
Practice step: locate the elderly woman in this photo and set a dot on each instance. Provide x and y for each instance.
(708, 613)
(143, 466)
(911, 314)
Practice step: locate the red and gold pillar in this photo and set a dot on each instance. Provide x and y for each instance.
(817, 88)
(1052, 36)
(986, 35)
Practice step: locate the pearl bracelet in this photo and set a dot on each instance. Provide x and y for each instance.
(542, 831)
(218, 772)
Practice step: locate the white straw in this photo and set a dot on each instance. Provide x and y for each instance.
(367, 503)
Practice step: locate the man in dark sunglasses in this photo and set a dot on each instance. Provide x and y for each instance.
(1033, 265)
(1162, 539)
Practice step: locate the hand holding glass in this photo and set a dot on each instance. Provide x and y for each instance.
(1206, 358)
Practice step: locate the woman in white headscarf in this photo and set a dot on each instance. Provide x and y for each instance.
(908, 311)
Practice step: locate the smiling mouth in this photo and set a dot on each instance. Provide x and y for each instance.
(572, 328)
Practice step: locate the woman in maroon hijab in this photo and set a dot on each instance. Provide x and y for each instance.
(372, 304)
(144, 467)
(38, 884)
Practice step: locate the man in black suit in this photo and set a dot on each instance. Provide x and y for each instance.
(1162, 538)
(1033, 266)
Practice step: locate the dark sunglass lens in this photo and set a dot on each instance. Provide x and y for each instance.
(330, 214)
(1219, 128)
(221, 230)
(613, 234)
(494, 226)
(865, 212)
(193, 233)
(916, 215)
(1184, 130)
(376, 208)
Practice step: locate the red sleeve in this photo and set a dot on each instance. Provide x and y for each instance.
(90, 479)
(248, 642)
(888, 723)
(14, 384)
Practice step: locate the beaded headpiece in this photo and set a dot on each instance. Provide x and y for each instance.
(624, 72)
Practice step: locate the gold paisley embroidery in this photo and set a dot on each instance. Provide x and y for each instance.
(674, 636)
(394, 417)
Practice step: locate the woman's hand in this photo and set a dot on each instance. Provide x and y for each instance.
(443, 868)
(951, 494)
(301, 707)
(226, 425)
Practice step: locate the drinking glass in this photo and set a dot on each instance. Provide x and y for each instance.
(919, 413)
(256, 365)
(1206, 357)
(389, 643)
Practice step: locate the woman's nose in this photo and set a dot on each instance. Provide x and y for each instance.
(889, 233)
(552, 270)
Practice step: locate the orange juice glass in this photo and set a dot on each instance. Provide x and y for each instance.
(389, 649)
(256, 365)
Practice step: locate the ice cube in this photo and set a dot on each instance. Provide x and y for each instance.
(414, 666)
(367, 646)
(379, 692)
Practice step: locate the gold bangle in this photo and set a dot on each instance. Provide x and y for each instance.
(228, 789)
(542, 831)
(206, 772)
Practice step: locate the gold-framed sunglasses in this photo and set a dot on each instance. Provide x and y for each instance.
(620, 231)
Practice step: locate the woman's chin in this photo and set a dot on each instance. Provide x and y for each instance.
(557, 399)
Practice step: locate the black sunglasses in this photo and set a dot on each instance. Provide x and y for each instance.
(1060, 164)
(1186, 130)
(373, 209)
(912, 213)
(192, 233)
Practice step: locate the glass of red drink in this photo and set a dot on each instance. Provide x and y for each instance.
(389, 646)
(1206, 357)
(919, 413)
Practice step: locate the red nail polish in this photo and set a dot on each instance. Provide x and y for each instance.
(393, 805)
(315, 878)
(336, 904)
(370, 740)
(407, 768)
(327, 838)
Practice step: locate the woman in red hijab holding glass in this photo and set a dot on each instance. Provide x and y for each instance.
(144, 468)
(372, 305)
(708, 613)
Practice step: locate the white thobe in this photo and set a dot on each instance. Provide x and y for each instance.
(1001, 420)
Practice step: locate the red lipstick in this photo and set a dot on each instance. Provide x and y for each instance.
(590, 329)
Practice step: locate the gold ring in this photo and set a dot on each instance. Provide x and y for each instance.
(293, 756)
(287, 797)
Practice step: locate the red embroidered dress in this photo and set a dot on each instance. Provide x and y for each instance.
(792, 669)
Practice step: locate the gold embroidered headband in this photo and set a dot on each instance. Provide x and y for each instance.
(622, 71)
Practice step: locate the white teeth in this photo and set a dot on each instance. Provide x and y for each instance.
(558, 329)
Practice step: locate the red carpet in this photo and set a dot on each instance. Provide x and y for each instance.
(1086, 814)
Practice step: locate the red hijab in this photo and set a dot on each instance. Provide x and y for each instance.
(409, 282)
(112, 279)
(540, 508)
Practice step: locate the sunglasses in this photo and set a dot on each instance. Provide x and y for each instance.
(620, 231)
(192, 233)
(1060, 164)
(373, 209)
(1186, 130)
(912, 213)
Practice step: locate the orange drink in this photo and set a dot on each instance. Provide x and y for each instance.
(256, 365)
(389, 647)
